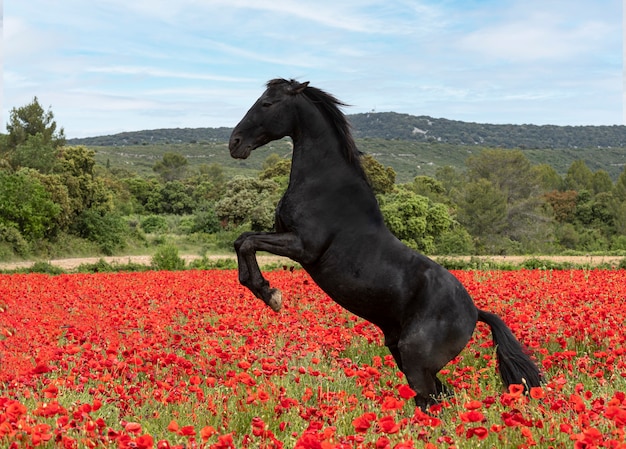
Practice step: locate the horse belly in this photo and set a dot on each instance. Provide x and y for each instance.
(375, 298)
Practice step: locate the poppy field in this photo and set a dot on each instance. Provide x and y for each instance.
(190, 359)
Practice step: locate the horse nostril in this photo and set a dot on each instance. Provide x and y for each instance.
(234, 142)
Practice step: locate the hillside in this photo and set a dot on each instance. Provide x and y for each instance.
(411, 145)
(391, 125)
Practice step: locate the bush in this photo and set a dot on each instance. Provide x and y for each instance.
(106, 229)
(213, 264)
(45, 268)
(11, 238)
(619, 243)
(205, 220)
(154, 223)
(535, 263)
(102, 266)
(454, 241)
(166, 258)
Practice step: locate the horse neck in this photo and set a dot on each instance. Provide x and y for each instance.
(318, 150)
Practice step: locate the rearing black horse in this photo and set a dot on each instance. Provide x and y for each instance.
(329, 221)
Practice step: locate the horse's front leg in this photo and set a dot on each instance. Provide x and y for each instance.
(282, 244)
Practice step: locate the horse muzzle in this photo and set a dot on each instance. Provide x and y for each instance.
(237, 149)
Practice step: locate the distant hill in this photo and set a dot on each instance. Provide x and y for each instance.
(390, 125)
(394, 126)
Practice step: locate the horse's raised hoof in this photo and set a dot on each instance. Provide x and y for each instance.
(276, 299)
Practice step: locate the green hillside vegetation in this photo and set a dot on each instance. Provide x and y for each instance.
(412, 146)
(407, 158)
(444, 187)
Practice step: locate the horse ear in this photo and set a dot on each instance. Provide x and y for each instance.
(297, 88)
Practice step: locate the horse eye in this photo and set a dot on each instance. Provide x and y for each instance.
(266, 104)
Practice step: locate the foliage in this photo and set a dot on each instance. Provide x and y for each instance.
(172, 167)
(405, 127)
(175, 198)
(205, 219)
(276, 169)
(408, 158)
(108, 230)
(381, 178)
(206, 263)
(414, 219)
(191, 359)
(454, 241)
(12, 242)
(496, 200)
(31, 120)
(26, 205)
(153, 223)
(102, 266)
(502, 207)
(249, 199)
(34, 153)
(482, 211)
(167, 258)
(579, 176)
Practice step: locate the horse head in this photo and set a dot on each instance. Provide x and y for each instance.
(267, 119)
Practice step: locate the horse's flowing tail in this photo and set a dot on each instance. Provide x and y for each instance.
(515, 365)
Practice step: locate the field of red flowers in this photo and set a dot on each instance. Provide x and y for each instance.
(191, 359)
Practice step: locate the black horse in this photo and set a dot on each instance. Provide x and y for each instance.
(329, 221)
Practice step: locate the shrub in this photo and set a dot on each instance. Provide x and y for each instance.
(106, 229)
(11, 238)
(45, 268)
(213, 264)
(166, 258)
(154, 223)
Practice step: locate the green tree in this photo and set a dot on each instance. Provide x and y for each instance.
(26, 205)
(106, 229)
(579, 176)
(176, 199)
(519, 219)
(508, 170)
(35, 153)
(482, 210)
(619, 189)
(30, 120)
(451, 179)
(249, 200)
(276, 169)
(428, 187)
(549, 179)
(32, 139)
(205, 219)
(146, 192)
(414, 219)
(75, 167)
(601, 182)
(172, 167)
(381, 178)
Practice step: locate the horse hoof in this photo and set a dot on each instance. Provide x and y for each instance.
(276, 300)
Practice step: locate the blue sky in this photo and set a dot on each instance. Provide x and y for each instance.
(107, 66)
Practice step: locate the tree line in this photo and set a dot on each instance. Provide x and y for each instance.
(55, 198)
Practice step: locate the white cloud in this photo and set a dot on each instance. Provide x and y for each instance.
(529, 61)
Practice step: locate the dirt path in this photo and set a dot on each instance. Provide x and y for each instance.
(73, 263)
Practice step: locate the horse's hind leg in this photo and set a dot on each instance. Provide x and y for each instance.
(420, 378)
(424, 348)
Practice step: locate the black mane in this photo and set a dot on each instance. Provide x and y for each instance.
(330, 107)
